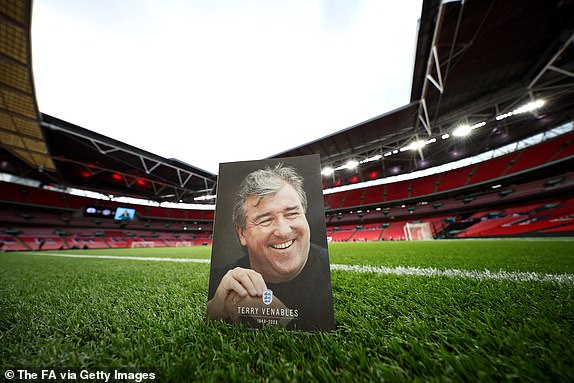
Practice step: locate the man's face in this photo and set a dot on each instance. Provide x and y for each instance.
(276, 235)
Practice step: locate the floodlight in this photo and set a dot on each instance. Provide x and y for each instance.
(351, 164)
(415, 145)
(478, 125)
(327, 171)
(462, 130)
(533, 105)
(529, 107)
(371, 159)
(503, 116)
(203, 198)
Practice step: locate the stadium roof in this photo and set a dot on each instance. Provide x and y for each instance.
(20, 131)
(475, 60)
(99, 163)
(477, 63)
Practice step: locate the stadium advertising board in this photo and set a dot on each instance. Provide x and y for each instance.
(269, 260)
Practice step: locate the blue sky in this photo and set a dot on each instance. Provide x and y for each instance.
(219, 81)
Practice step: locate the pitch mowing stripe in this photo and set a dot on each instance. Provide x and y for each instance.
(512, 276)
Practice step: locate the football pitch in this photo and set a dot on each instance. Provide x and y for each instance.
(467, 310)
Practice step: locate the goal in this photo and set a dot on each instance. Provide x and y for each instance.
(418, 231)
(137, 244)
(182, 244)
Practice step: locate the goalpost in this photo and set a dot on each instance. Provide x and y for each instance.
(418, 231)
(137, 244)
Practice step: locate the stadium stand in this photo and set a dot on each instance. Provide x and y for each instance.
(34, 218)
(453, 179)
(369, 233)
(353, 198)
(39, 219)
(496, 169)
(458, 213)
(373, 195)
(397, 191)
(491, 170)
(533, 220)
(424, 186)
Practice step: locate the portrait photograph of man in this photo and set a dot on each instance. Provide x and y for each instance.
(269, 261)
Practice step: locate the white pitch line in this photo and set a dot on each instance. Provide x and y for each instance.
(127, 258)
(511, 276)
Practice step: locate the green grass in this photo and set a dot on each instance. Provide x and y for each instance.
(528, 255)
(100, 313)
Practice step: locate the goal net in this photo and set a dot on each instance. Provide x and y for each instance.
(137, 244)
(418, 231)
(182, 244)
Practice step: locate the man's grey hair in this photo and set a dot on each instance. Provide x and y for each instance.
(262, 183)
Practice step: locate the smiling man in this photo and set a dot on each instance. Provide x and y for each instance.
(282, 279)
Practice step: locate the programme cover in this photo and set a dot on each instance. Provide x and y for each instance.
(269, 260)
